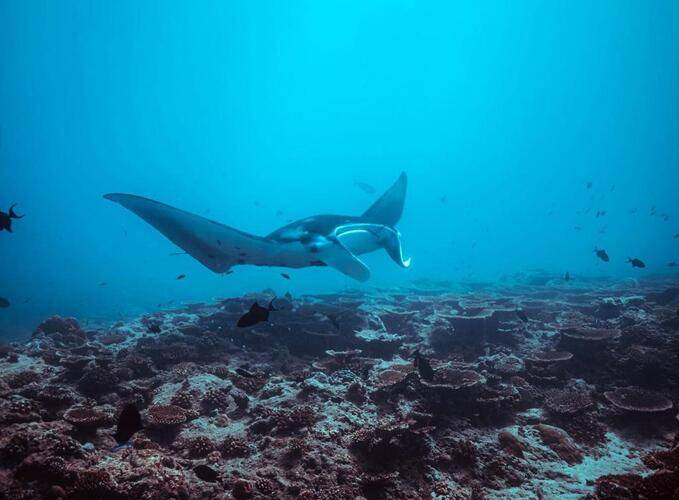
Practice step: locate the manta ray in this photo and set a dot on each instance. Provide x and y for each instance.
(320, 240)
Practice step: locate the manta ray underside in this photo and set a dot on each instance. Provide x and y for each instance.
(321, 240)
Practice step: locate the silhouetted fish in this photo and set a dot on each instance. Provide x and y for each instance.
(636, 262)
(423, 367)
(103, 283)
(601, 253)
(672, 264)
(6, 218)
(366, 188)
(4, 303)
(285, 275)
(676, 236)
(589, 184)
(181, 276)
(255, 315)
(206, 473)
(153, 327)
(522, 315)
(567, 276)
(129, 422)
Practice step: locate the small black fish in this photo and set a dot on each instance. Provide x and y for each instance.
(6, 218)
(589, 184)
(636, 262)
(103, 283)
(601, 253)
(567, 276)
(676, 236)
(153, 326)
(181, 276)
(206, 473)
(522, 315)
(4, 303)
(672, 264)
(255, 315)
(366, 188)
(285, 275)
(577, 228)
(129, 422)
(423, 367)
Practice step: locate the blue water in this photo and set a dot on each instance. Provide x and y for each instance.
(506, 109)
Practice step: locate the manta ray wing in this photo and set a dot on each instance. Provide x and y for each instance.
(216, 246)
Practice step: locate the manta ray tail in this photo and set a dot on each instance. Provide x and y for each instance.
(388, 208)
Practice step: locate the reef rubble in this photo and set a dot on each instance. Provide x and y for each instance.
(539, 390)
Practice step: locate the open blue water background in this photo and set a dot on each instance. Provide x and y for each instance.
(240, 109)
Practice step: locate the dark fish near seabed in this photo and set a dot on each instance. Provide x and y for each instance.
(423, 367)
(601, 253)
(256, 314)
(567, 276)
(206, 473)
(181, 276)
(153, 327)
(672, 264)
(366, 188)
(522, 315)
(6, 218)
(129, 423)
(4, 303)
(636, 262)
(285, 275)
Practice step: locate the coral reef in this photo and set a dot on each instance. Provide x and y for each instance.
(572, 398)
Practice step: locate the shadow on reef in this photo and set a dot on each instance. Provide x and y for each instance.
(538, 390)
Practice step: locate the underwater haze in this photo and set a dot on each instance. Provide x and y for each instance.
(531, 133)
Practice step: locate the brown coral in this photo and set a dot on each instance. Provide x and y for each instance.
(166, 415)
(638, 400)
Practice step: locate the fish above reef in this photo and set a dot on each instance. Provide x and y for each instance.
(322, 240)
(423, 367)
(636, 262)
(365, 187)
(206, 473)
(256, 314)
(672, 264)
(285, 275)
(6, 218)
(601, 253)
(129, 423)
(567, 277)
(4, 303)
(181, 277)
